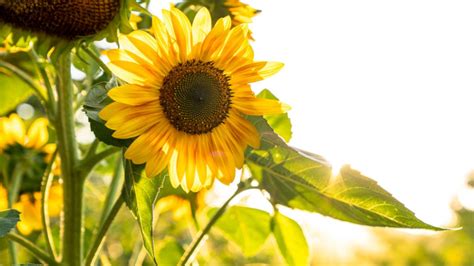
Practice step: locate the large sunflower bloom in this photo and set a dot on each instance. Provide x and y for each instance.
(187, 94)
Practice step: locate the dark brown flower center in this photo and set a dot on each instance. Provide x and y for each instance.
(64, 18)
(196, 97)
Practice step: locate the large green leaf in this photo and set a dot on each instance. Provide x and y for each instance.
(280, 123)
(13, 90)
(8, 220)
(96, 100)
(290, 239)
(302, 180)
(141, 193)
(247, 227)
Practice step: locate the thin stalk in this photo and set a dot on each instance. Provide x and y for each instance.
(32, 248)
(99, 240)
(15, 184)
(193, 248)
(47, 83)
(94, 57)
(113, 189)
(26, 78)
(12, 252)
(45, 186)
(92, 148)
(88, 163)
(13, 192)
(72, 184)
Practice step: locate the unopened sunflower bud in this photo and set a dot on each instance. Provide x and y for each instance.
(67, 19)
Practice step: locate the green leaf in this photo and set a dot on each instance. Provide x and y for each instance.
(96, 100)
(8, 220)
(83, 62)
(246, 227)
(13, 90)
(141, 193)
(170, 252)
(281, 123)
(290, 239)
(302, 180)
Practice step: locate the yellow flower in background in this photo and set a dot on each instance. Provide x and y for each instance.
(13, 132)
(3, 198)
(240, 12)
(181, 206)
(29, 206)
(187, 96)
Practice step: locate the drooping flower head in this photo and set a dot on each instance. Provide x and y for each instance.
(187, 96)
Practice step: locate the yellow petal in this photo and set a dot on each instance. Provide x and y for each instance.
(37, 134)
(16, 129)
(111, 109)
(134, 94)
(255, 72)
(134, 73)
(201, 25)
(258, 106)
(183, 33)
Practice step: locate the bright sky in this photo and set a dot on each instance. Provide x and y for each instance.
(386, 86)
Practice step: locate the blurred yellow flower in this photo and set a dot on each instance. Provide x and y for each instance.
(240, 12)
(187, 98)
(29, 205)
(181, 206)
(13, 132)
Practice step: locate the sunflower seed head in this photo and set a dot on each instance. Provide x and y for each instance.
(67, 19)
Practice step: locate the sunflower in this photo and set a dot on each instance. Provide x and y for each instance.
(240, 12)
(29, 206)
(187, 97)
(20, 143)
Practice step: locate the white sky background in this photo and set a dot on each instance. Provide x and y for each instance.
(386, 86)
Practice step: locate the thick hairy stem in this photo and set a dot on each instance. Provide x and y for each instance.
(72, 184)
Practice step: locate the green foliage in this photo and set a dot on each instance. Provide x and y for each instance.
(95, 101)
(170, 251)
(13, 90)
(281, 123)
(8, 220)
(290, 239)
(140, 194)
(247, 227)
(302, 180)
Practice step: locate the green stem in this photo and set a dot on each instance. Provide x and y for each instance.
(15, 184)
(72, 184)
(26, 78)
(13, 192)
(12, 251)
(113, 189)
(32, 248)
(47, 83)
(94, 57)
(99, 240)
(45, 186)
(88, 163)
(193, 248)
